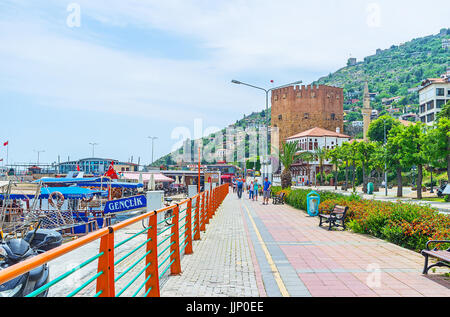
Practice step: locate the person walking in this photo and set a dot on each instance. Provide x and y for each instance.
(240, 185)
(251, 191)
(255, 190)
(267, 186)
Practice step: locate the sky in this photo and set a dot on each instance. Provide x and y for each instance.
(114, 72)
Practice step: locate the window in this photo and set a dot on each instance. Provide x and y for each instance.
(430, 105)
(440, 103)
(333, 116)
(422, 119)
(306, 116)
(422, 108)
(280, 117)
(440, 91)
(430, 117)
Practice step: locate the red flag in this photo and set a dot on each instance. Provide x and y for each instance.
(6, 143)
(111, 172)
(78, 168)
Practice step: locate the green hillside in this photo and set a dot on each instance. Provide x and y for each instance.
(392, 72)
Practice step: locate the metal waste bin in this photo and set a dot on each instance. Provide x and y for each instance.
(370, 188)
(312, 203)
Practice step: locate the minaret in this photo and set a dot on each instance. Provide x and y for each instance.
(366, 111)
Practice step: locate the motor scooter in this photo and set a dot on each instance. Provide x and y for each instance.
(14, 251)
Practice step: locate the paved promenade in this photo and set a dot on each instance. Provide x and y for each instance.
(251, 250)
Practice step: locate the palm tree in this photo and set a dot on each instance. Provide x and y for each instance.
(344, 152)
(334, 156)
(321, 156)
(288, 156)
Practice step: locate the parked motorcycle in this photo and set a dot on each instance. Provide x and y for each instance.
(14, 251)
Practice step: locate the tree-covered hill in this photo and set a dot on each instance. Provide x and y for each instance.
(392, 72)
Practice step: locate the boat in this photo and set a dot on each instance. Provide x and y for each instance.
(73, 205)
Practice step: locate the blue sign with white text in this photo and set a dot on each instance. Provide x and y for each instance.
(126, 204)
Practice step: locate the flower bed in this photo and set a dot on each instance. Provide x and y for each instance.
(408, 225)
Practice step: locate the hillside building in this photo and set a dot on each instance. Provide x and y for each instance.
(434, 93)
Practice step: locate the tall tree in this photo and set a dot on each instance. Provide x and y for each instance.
(394, 155)
(364, 154)
(413, 151)
(377, 127)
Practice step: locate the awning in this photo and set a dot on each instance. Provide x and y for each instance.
(67, 192)
(112, 184)
(159, 178)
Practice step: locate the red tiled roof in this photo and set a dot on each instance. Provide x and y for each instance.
(318, 132)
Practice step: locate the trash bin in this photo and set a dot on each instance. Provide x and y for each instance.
(370, 188)
(312, 203)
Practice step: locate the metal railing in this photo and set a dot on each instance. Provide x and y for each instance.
(144, 264)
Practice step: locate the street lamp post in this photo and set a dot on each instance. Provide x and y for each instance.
(153, 138)
(93, 146)
(267, 91)
(38, 152)
(385, 161)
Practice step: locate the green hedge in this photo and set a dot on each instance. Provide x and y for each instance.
(405, 224)
(297, 197)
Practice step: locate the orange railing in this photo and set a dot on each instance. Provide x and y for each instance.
(205, 205)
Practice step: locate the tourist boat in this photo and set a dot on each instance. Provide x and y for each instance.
(72, 205)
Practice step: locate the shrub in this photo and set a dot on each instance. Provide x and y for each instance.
(405, 224)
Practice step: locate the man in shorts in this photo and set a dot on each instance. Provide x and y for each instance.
(266, 191)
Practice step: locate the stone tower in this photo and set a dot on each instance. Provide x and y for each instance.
(296, 109)
(366, 111)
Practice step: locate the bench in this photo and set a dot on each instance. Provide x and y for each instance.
(278, 199)
(442, 255)
(336, 217)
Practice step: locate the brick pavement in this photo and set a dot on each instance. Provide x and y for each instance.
(255, 250)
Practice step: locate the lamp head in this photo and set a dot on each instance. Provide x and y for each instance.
(236, 82)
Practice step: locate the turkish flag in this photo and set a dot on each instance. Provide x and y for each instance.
(78, 167)
(6, 143)
(111, 172)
